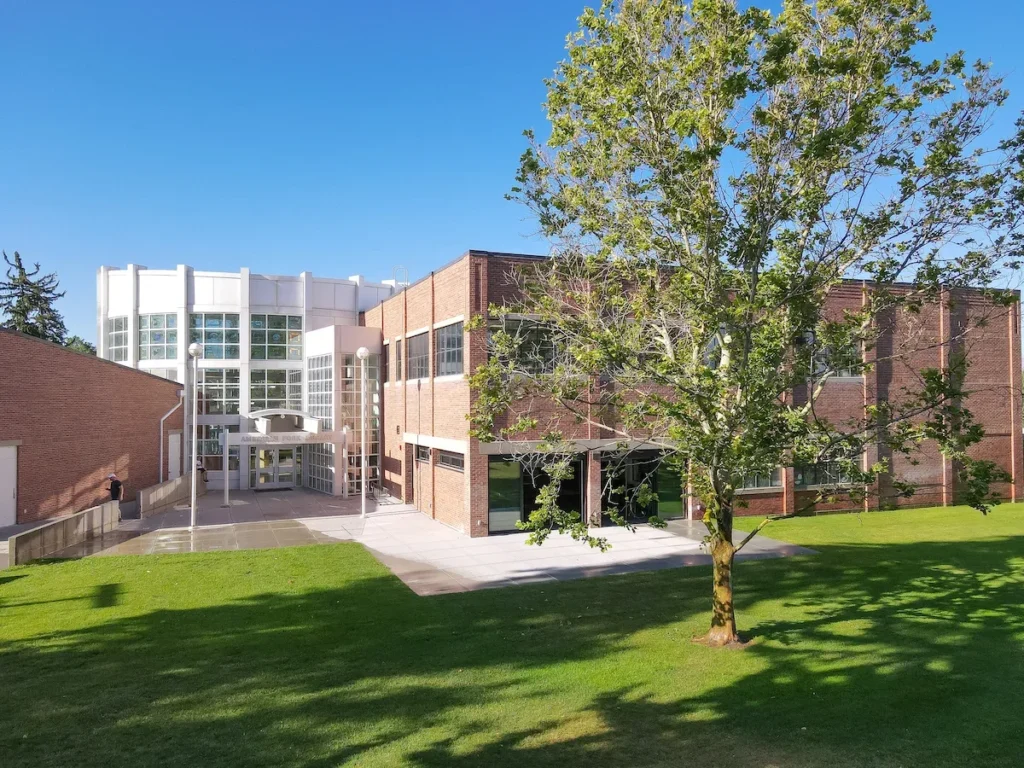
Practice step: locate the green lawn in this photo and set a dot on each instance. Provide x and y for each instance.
(900, 644)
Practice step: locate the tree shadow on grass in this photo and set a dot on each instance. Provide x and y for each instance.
(864, 655)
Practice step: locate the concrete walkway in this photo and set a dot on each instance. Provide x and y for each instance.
(433, 559)
(428, 556)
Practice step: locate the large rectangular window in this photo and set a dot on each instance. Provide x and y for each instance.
(448, 349)
(117, 338)
(419, 356)
(158, 337)
(219, 391)
(275, 389)
(211, 452)
(759, 480)
(534, 349)
(823, 473)
(275, 337)
(218, 333)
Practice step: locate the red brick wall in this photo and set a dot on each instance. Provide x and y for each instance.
(78, 418)
(432, 407)
(469, 285)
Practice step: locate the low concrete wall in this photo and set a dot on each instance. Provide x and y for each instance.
(157, 498)
(64, 532)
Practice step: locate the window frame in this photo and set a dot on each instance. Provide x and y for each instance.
(842, 479)
(263, 324)
(448, 355)
(418, 451)
(774, 479)
(117, 339)
(451, 460)
(385, 363)
(223, 386)
(421, 360)
(146, 345)
(292, 384)
(204, 333)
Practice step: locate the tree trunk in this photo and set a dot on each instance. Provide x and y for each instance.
(723, 617)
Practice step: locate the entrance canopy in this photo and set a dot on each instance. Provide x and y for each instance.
(282, 426)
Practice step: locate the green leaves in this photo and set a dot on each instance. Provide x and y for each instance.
(714, 179)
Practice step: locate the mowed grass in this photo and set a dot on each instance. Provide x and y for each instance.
(900, 644)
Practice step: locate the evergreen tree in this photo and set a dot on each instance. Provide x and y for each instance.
(27, 301)
(79, 344)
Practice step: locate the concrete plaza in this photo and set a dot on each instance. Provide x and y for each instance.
(428, 556)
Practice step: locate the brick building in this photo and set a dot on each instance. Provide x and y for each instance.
(428, 459)
(67, 420)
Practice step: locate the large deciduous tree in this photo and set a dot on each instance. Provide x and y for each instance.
(713, 177)
(28, 301)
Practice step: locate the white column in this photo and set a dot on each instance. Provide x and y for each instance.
(102, 293)
(133, 316)
(182, 281)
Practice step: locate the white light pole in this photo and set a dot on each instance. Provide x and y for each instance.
(362, 353)
(195, 351)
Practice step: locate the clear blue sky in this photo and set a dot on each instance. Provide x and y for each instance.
(337, 137)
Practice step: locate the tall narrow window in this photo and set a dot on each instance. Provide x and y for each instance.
(158, 337)
(218, 333)
(385, 364)
(275, 337)
(448, 349)
(419, 356)
(398, 359)
(117, 338)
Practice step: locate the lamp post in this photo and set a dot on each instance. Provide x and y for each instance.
(195, 351)
(362, 353)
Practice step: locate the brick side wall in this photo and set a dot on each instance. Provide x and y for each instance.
(78, 418)
(434, 407)
(469, 285)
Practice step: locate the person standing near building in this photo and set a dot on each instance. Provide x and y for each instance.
(116, 488)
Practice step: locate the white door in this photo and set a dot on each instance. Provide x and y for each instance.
(8, 485)
(174, 455)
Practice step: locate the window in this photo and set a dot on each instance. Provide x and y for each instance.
(451, 460)
(823, 473)
(758, 480)
(349, 408)
(218, 391)
(844, 362)
(217, 332)
(211, 452)
(385, 364)
(448, 349)
(117, 339)
(534, 347)
(419, 357)
(398, 359)
(275, 337)
(275, 389)
(320, 397)
(170, 374)
(158, 337)
(320, 382)
(423, 453)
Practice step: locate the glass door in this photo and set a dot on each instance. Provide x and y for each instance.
(272, 468)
